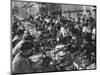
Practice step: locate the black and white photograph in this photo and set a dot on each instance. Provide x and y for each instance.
(52, 37)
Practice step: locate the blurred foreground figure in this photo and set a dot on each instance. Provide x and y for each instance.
(26, 37)
(21, 62)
